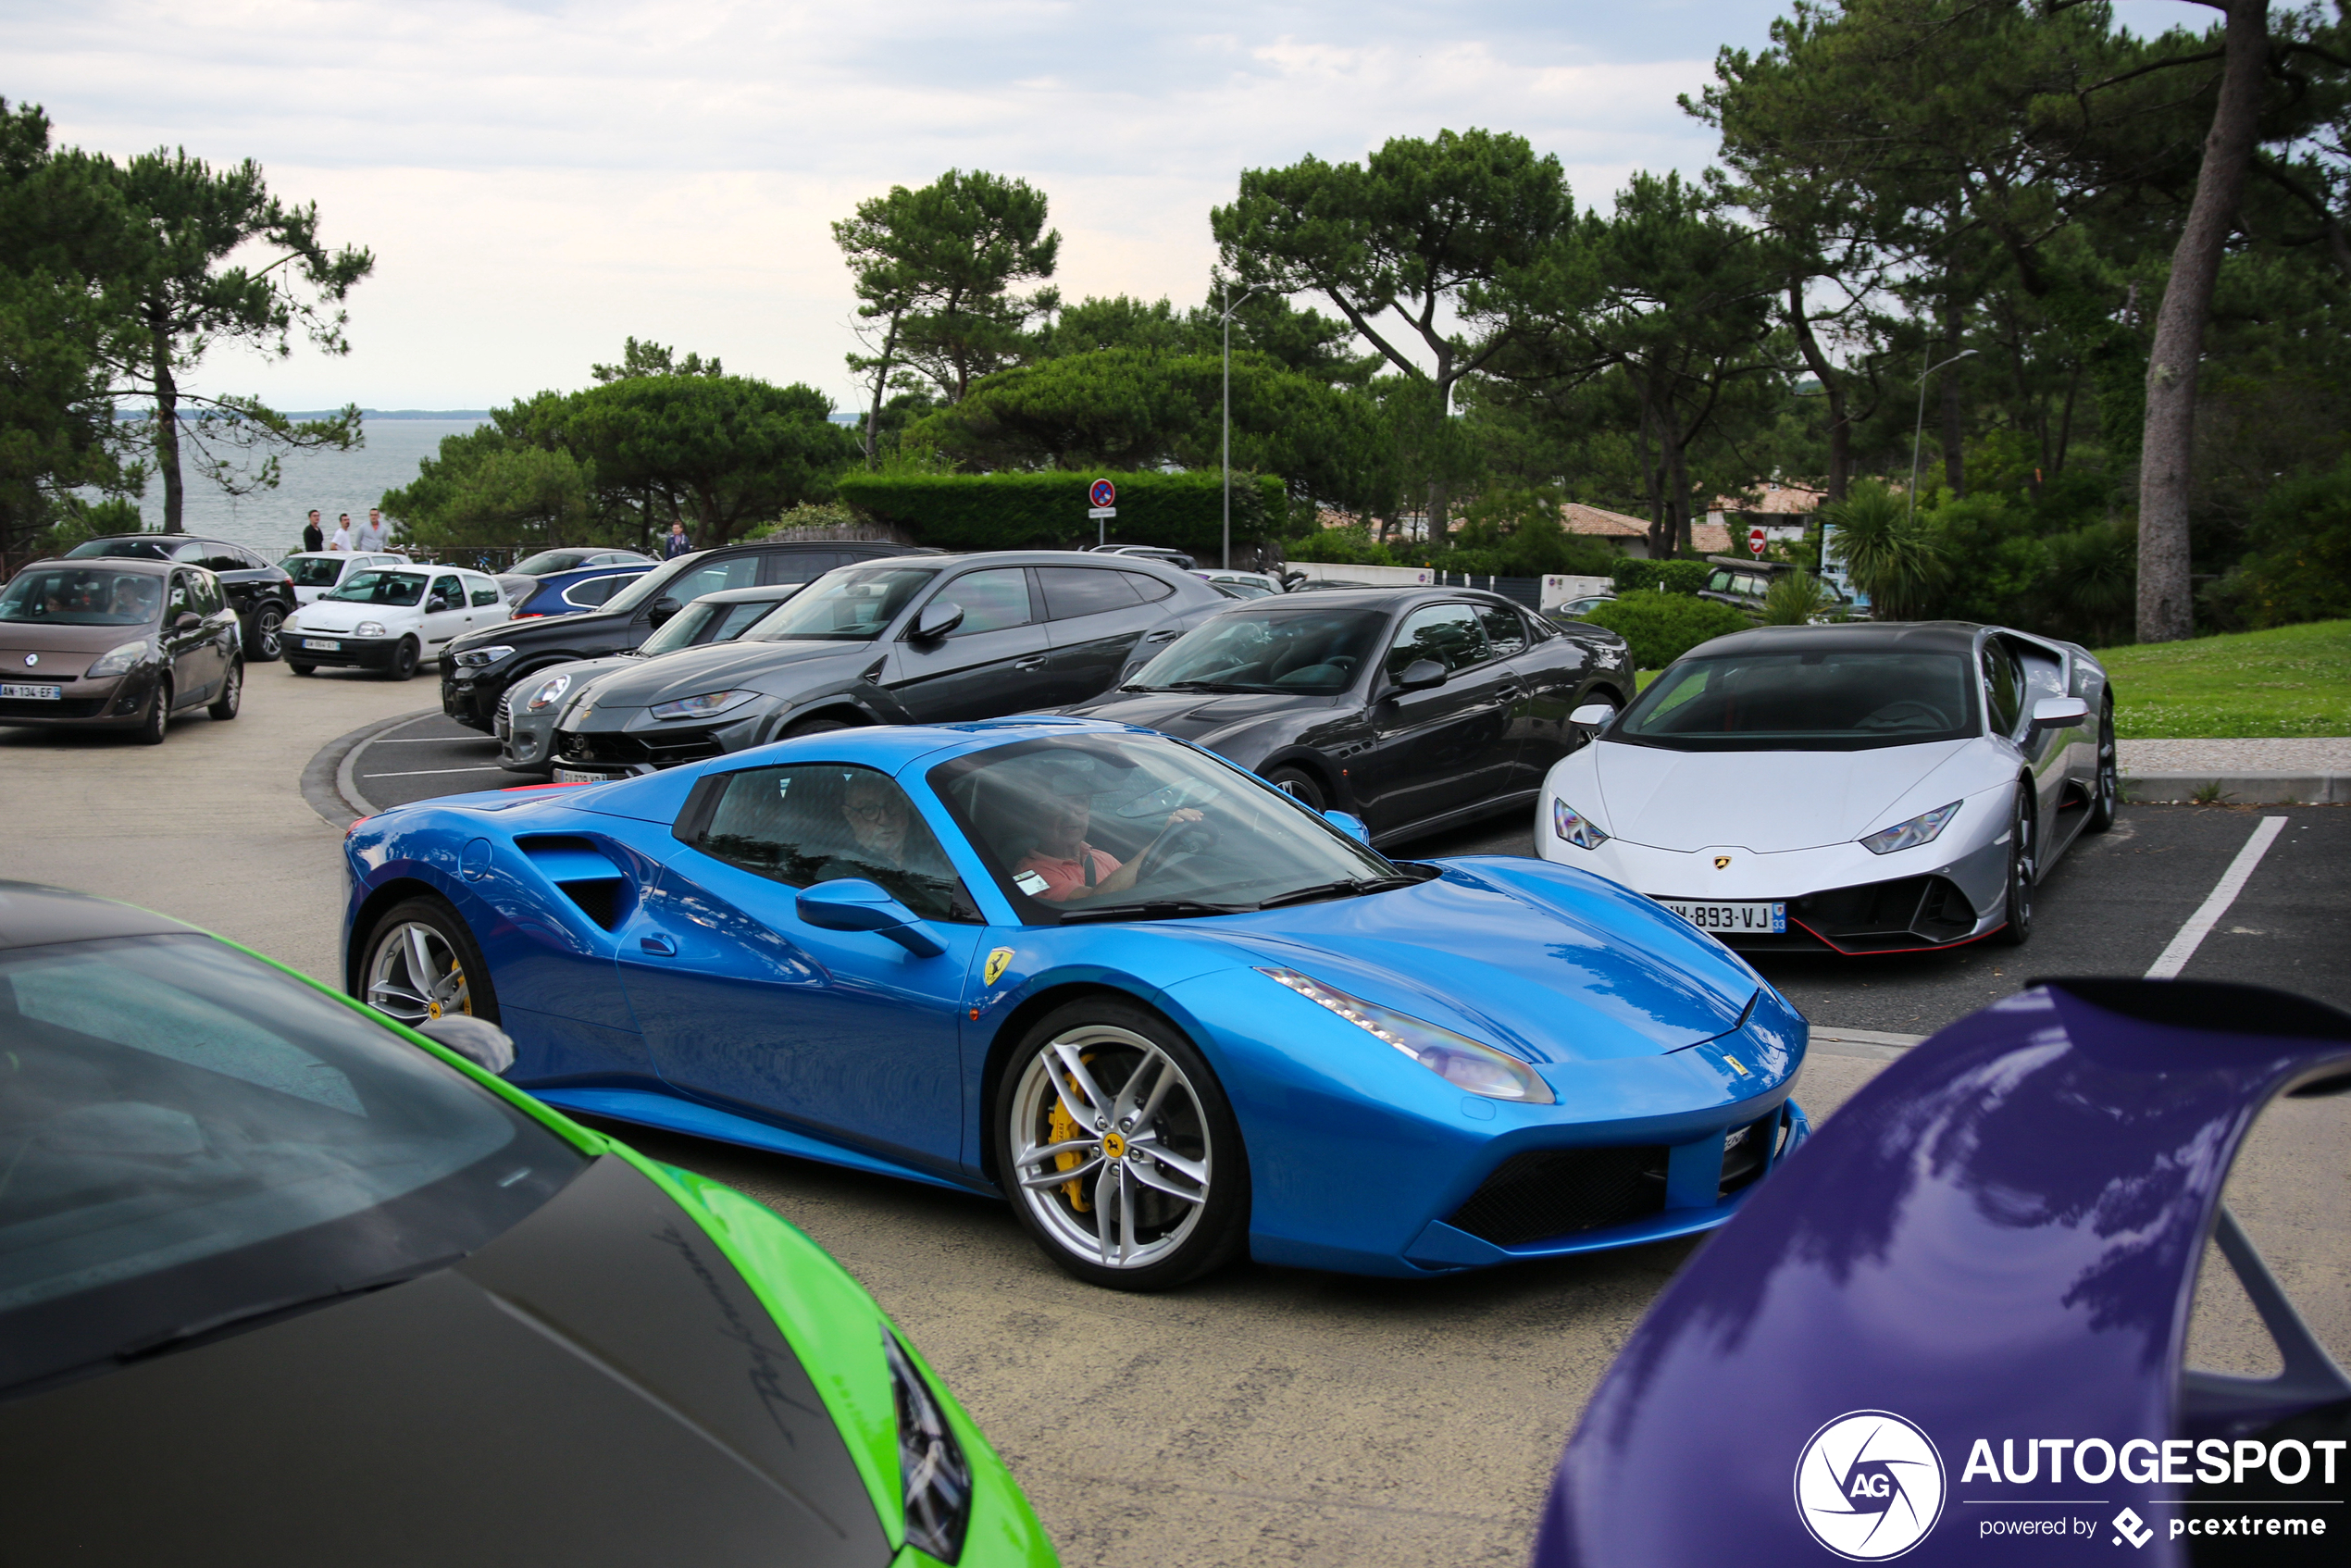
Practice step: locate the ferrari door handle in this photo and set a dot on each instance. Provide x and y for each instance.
(661, 947)
(1035, 662)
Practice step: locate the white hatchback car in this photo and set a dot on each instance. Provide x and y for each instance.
(391, 618)
(318, 572)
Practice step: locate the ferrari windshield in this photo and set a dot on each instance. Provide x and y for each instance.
(1818, 699)
(82, 596)
(189, 1137)
(1113, 826)
(1314, 653)
(380, 587)
(853, 604)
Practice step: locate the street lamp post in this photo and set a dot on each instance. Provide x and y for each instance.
(1224, 317)
(1911, 509)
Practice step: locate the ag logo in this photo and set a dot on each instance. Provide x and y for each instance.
(998, 960)
(1868, 1486)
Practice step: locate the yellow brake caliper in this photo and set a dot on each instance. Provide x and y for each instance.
(1062, 1129)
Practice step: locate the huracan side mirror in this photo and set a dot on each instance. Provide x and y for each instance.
(937, 618)
(1420, 674)
(855, 904)
(2059, 713)
(1591, 715)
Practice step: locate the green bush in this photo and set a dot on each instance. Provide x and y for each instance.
(1681, 577)
(1634, 573)
(1341, 547)
(2300, 565)
(1045, 510)
(1662, 627)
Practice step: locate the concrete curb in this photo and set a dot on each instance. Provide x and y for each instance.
(326, 781)
(2244, 789)
(1872, 1045)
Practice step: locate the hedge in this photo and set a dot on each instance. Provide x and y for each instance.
(1048, 510)
(1634, 573)
(1663, 627)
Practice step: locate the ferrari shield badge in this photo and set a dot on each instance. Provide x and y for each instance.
(998, 960)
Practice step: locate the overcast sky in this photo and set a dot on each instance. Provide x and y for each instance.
(539, 179)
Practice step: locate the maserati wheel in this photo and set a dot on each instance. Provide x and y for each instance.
(1297, 784)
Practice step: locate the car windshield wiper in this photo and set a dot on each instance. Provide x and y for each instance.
(1353, 887)
(1149, 909)
(171, 1339)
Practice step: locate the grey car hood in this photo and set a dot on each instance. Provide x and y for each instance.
(759, 666)
(1765, 802)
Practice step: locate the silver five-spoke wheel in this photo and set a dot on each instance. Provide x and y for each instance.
(414, 974)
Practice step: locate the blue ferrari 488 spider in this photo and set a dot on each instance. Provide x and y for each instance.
(1165, 1008)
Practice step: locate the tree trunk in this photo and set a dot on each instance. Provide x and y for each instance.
(881, 386)
(1840, 423)
(1954, 453)
(1678, 506)
(168, 435)
(2166, 610)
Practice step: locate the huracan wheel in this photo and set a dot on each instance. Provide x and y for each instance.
(2106, 791)
(421, 964)
(1118, 1149)
(2024, 865)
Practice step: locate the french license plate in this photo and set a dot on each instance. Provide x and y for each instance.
(33, 693)
(1732, 919)
(577, 775)
(323, 645)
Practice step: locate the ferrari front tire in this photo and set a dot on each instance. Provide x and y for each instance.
(421, 964)
(1119, 1150)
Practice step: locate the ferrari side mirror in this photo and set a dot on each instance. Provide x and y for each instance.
(1420, 674)
(855, 904)
(937, 618)
(1349, 823)
(478, 1041)
(1591, 715)
(2059, 713)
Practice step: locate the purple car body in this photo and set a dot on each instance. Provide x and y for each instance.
(1952, 1328)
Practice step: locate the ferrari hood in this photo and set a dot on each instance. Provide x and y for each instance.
(691, 671)
(598, 1386)
(1766, 802)
(1537, 960)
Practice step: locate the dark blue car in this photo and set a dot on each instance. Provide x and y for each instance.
(1166, 1009)
(573, 591)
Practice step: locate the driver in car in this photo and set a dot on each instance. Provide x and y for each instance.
(1072, 869)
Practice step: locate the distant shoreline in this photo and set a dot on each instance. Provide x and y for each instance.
(449, 416)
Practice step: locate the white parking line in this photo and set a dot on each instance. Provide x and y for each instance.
(2224, 893)
(428, 772)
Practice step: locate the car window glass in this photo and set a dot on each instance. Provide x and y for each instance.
(2003, 688)
(1718, 582)
(205, 592)
(446, 594)
(817, 823)
(1071, 592)
(1150, 590)
(1315, 652)
(1448, 633)
(594, 591)
(218, 557)
(81, 596)
(1848, 699)
(797, 565)
(314, 571)
(990, 600)
(485, 593)
(375, 585)
(731, 571)
(180, 603)
(734, 619)
(1505, 633)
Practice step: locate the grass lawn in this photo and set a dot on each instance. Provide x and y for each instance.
(2293, 681)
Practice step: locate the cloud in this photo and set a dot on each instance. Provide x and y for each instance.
(539, 180)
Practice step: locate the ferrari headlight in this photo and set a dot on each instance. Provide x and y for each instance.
(368, 628)
(1574, 827)
(549, 692)
(932, 1471)
(117, 661)
(1909, 835)
(1459, 1060)
(475, 658)
(703, 706)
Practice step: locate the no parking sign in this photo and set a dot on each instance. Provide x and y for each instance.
(1104, 493)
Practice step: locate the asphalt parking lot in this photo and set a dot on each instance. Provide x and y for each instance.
(1262, 1414)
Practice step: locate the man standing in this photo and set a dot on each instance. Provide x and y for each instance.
(313, 538)
(372, 537)
(342, 540)
(676, 544)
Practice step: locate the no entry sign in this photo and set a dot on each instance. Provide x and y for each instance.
(1104, 493)
(1754, 541)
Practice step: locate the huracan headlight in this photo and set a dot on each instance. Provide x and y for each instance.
(549, 692)
(368, 628)
(703, 706)
(1909, 835)
(932, 1471)
(475, 658)
(117, 661)
(1574, 827)
(1459, 1060)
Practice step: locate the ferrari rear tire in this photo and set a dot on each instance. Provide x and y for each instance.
(1118, 1149)
(2105, 790)
(420, 963)
(2024, 867)
(1299, 786)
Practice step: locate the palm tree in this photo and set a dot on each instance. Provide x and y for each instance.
(1896, 557)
